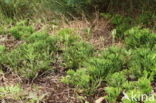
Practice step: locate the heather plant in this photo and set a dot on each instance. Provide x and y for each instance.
(121, 24)
(111, 60)
(37, 36)
(2, 30)
(117, 79)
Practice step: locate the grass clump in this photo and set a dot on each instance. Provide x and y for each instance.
(76, 54)
(21, 30)
(97, 69)
(74, 50)
(142, 59)
(67, 37)
(137, 37)
(32, 57)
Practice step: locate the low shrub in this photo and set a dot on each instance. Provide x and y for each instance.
(112, 94)
(142, 59)
(117, 79)
(32, 57)
(21, 30)
(79, 78)
(67, 37)
(137, 37)
(27, 61)
(113, 59)
(128, 91)
(76, 54)
(98, 68)
(74, 50)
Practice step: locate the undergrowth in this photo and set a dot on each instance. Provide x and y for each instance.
(126, 69)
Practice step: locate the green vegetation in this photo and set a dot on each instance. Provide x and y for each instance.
(11, 92)
(35, 42)
(17, 94)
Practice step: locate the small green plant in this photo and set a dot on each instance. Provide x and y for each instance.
(121, 24)
(117, 79)
(132, 90)
(113, 93)
(145, 85)
(75, 50)
(16, 93)
(11, 92)
(111, 60)
(79, 78)
(27, 62)
(37, 36)
(97, 69)
(67, 37)
(76, 54)
(142, 59)
(32, 57)
(21, 30)
(137, 37)
(2, 48)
